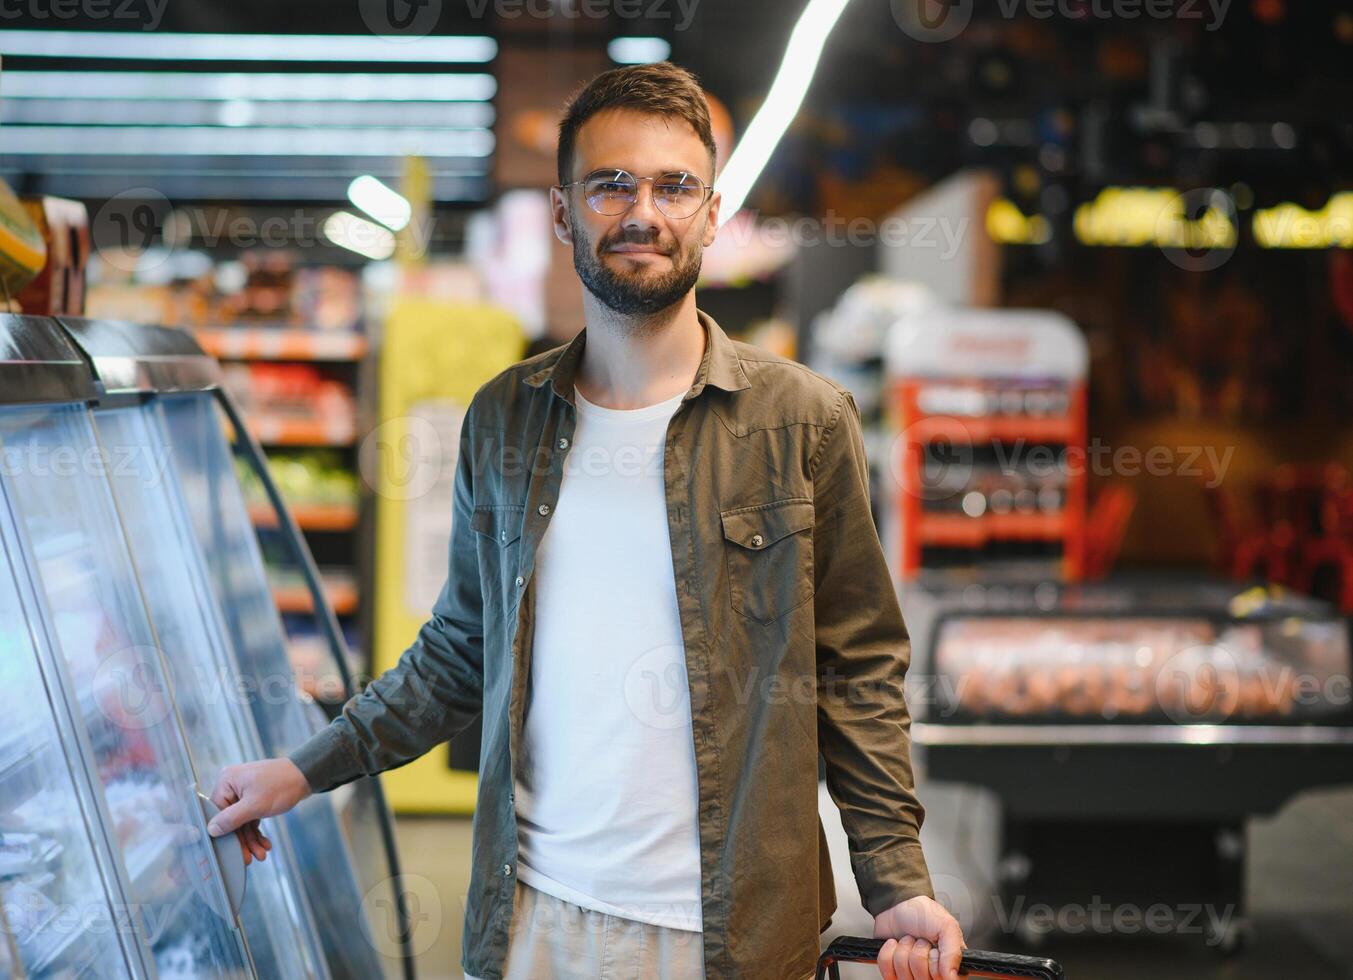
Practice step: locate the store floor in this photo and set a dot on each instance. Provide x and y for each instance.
(1300, 893)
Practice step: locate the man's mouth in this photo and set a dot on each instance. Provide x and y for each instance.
(637, 250)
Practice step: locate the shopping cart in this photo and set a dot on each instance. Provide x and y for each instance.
(976, 962)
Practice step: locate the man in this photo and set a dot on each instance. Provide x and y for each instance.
(667, 596)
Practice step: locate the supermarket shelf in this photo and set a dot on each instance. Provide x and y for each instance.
(263, 344)
(962, 430)
(309, 517)
(273, 431)
(960, 531)
(296, 598)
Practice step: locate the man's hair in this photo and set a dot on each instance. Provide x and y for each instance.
(660, 88)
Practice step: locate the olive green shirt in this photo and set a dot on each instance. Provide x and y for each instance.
(794, 642)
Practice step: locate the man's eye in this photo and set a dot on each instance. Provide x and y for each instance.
(612, 188)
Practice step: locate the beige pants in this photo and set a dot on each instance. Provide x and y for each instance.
(551, 939)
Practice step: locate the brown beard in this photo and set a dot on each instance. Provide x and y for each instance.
(635, 293)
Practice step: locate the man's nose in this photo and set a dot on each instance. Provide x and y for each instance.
(643, 213)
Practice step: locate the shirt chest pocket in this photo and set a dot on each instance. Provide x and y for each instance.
(500, 528)
(768, 549)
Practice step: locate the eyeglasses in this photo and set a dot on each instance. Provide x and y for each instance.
(678, 194)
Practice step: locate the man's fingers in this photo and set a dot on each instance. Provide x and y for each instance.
(225, 792)
(231, 818)
(885, 960)
(919, 960)
(951, 950)
(902, 959)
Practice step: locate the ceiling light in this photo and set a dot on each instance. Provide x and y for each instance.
(367, 238)
(383, 203)
(160, 46)
(781, 105)
(638, 50)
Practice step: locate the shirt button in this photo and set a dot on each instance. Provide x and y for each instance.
(563, 443)
(543, 510)
(502, 535)
(757, 540)
(507, 870)
(520, 581)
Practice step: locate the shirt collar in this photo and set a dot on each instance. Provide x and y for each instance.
(720, 366)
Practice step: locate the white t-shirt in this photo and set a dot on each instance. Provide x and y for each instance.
(606, 803)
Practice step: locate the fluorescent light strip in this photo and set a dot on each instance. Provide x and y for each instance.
(258, 86)
(359, 235)
(245, 112)
(782, 103)
(160, 46)
(381, 202)
(244, 141)
(638, 50)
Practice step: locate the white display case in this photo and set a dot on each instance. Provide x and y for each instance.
(141, 653)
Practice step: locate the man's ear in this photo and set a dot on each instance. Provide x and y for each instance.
(559, 212)
(712, 219)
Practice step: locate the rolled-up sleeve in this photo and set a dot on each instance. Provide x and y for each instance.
(437, 687)
(862, 656)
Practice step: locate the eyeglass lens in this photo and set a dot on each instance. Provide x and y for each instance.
(677, 195)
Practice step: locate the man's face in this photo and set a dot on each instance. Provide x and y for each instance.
(642, 261)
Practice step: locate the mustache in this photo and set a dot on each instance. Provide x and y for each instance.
(636, 237)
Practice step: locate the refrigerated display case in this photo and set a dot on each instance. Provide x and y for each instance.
(141, 661)
(1130, 729)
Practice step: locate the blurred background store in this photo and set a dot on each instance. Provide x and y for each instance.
(1086, 266)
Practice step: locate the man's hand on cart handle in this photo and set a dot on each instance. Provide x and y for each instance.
(250, 791)
(924, 942)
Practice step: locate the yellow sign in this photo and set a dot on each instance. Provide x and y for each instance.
(1155, 216)
(434, 356)
(1292, 226)
(1008, 225)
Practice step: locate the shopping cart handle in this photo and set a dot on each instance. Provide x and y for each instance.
(976, 962)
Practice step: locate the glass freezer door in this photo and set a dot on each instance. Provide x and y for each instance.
(88, 591)
(57, 877)
(342, 890)
(211, 702)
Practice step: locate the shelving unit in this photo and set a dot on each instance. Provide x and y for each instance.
(300, 440)
(987, 462)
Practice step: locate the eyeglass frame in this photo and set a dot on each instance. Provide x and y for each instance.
(709, 190)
